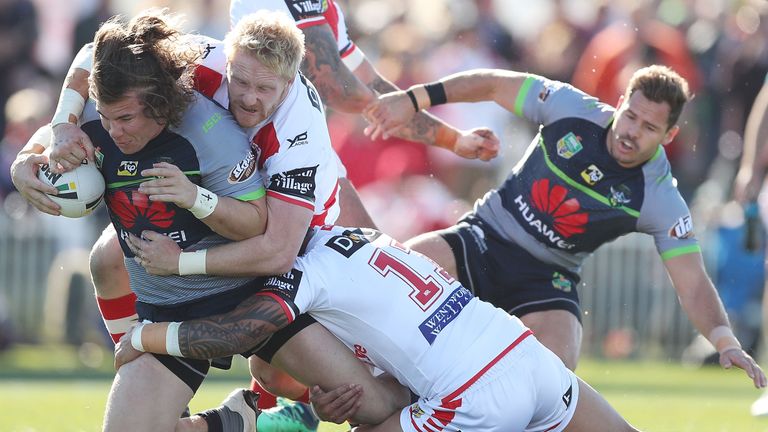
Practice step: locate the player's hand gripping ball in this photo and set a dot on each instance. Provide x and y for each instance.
(80, 190)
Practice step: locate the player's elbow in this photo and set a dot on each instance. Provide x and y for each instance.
(352, 102)
(282, 261)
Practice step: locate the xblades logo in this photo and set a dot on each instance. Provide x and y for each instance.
(207, 50)
(298, 140)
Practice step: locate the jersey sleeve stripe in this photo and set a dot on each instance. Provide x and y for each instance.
(522, 94)
(290, 310)
(676, 252)
(253, 195)
(319, 219)
(291, 200)
(310, 22)
(353, 58)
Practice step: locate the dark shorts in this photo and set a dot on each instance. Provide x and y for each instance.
(268, 349)
(506, 275)
(191, 371)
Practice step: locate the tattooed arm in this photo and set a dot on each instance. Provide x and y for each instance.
(352, 91)
(220, 335)
(423, 127)
(338, 87)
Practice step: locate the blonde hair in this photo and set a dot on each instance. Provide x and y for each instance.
(661, 84)
(271, 38)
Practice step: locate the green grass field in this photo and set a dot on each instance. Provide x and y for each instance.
(67, 396)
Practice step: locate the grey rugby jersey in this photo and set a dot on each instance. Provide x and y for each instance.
(567, 195)
(214, 153)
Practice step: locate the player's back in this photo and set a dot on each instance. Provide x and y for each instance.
(399, 311)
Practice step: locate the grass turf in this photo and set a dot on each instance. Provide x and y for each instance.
(37, 395)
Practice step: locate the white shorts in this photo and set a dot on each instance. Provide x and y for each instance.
(529, 390)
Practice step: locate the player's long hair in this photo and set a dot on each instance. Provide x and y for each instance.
(271, 38)
(661, 84)
(146, 56)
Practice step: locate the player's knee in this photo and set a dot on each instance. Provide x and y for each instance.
(275, 381)
(107, 268)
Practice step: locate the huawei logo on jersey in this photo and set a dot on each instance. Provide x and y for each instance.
(132, 206)
(552, 214)
(567, 219)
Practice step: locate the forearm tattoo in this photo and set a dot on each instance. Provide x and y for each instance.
(234, 332)
(323, 66)
(422, 127)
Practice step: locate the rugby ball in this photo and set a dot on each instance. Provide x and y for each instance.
(80, 190)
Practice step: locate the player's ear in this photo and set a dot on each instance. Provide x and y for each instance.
(670, 135)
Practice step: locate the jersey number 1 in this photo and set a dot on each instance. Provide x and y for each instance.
(425, 290)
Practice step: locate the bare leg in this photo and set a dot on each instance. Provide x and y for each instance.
(314, 356)
(110, 280)
(275, 380)
(145, 396)
(107, 268)
(353, 213)
(593, 413)
(559, 331)
(435, 247)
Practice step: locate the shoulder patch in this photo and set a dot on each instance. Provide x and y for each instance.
(299, 182)
(683, 228)
(301, 9)
(243, 170)
(286, 285)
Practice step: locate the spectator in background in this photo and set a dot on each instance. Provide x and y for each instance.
(18, 33)
(25, 111)
(87, 23)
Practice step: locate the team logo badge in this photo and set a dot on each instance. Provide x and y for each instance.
(683, 228)
(99, 157)
(128, 168)
(620, 195)
(560, 282)
(567, 219)
(416, 411)
(569, 145)
(592, 175)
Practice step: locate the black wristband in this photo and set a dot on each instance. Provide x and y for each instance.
(436, 93)
(410, 94)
